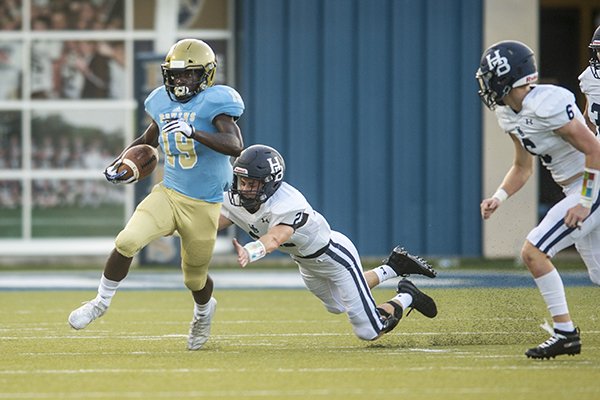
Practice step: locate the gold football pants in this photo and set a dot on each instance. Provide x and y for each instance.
(165, 211)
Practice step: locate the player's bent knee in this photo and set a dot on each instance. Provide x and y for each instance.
(365, 333)
(194, 281)
(531, 255)
(127, 244)
(334, 309)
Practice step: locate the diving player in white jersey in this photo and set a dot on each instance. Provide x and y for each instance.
(278, 217)
(544, 121)
(589, 83)
(194, 123)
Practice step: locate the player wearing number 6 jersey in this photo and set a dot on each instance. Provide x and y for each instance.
(544, 121)
(194, 123)
(278, 217)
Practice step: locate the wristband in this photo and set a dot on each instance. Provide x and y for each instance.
(501, 195)
(590, 187)
(256, 250)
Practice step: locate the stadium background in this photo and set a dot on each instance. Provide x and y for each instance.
(372, 103)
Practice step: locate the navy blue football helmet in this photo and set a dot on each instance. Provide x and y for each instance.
(262, 163)
(503, 66)
(594, 48)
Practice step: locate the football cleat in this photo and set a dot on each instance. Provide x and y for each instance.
(200, 327)
(84, 315)
(404, 263)
(420, 301)
(389, 321)
(561, 342)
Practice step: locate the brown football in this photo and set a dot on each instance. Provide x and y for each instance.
(138, 161)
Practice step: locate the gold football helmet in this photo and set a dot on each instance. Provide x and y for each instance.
(189, 68)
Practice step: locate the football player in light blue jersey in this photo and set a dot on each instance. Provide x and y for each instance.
(194, 123)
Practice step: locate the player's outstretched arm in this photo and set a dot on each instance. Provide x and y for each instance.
(267, 243)
(513, 181)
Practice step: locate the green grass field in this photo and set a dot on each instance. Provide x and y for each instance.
(277, 344)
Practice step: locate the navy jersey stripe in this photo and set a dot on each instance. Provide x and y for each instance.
(359, 280)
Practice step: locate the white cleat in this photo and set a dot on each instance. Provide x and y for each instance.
(200, 327)
(84, 315)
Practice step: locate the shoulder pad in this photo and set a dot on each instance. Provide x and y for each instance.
(224, 99)
(549, 100)
(152, 95)
(288, 200)
(223, 94)
(584, 80)
(505, 118)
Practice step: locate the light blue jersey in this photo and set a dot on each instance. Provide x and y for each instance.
(192, 168)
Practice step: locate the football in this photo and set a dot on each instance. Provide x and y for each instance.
(138, 161)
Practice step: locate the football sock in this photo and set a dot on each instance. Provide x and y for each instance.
(552, 290)
(565, 326)
(405, 299)
(384, 272)
(106, 290)
(200, 310)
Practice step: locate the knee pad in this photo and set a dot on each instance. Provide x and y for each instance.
(127, 243)
(195, 260)
(365, 334)
(195, 280)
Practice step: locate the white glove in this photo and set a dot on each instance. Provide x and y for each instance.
(179, 125)
(113, 176)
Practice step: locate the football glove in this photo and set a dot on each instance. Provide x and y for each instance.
(113, 176)
(179, 125)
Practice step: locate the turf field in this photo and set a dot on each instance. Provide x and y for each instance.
(281, 344)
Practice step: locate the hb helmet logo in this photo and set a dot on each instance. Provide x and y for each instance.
(500, 63)
(276, 168)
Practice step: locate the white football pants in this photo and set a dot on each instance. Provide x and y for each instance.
(336, 278)
(552, 235)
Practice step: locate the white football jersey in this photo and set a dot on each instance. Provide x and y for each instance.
(286, 206)
(545, 109)
(590, 86)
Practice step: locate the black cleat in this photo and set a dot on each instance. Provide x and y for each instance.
(420, 301)
(560, 343)
(404, 263)
(388, 320)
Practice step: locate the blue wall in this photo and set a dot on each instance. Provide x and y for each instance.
(374, 106)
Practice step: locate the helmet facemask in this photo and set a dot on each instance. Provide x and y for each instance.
(594, 61)
(247, 192)
(183, 84)
(594, 48)
(490, 97)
